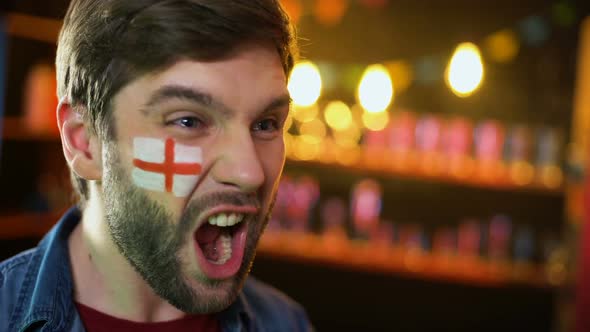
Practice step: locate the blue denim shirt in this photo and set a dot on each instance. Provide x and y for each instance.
(36, 293)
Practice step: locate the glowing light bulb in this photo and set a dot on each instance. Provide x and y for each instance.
(338, 115)
(375, 92)
(305, 84)
(465, 70)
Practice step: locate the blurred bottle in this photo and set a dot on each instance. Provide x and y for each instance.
(518, 154)
(457, 145)
(499, 238)
(304, 199)
(414, 243)
(385, 234)
(401, 139)
(366, 204)
(334, 215)
(524, 244)
(412, 237)
(523, 253)
(429, 143)
(375, 149)
(334, 230)
(549, 157)
(469, 236)
(444, 242)
(283, 199)
(489, 141)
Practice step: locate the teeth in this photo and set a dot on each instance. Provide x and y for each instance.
(231, 220)
(226, 248)
(223, 219)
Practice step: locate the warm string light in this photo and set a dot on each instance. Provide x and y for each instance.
(375, 91)
(305, 84)
(465, 71)
(324, 133)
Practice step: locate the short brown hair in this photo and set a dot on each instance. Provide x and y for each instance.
(105, 44)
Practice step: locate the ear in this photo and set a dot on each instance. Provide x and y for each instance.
(82, 150)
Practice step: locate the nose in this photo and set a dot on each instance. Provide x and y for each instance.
(238, 163)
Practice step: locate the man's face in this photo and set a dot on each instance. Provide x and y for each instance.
(232, 112)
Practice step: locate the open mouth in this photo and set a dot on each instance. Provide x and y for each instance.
(220, 244)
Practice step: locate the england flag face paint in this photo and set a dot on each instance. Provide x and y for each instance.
(166, 166)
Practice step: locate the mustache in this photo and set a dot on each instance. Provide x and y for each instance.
(209, 201)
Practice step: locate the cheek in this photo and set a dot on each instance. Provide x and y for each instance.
(165, 166)
(273, 160)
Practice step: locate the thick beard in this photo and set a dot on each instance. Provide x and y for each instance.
(147, 236)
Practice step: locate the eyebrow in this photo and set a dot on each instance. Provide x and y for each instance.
(179, 92)
(280, 102)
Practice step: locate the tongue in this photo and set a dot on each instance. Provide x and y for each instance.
(206, 237)
(207, 234)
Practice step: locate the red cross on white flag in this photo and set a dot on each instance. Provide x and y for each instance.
(166, 166)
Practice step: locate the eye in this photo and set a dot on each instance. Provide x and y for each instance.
(266, 125)
(189, 122)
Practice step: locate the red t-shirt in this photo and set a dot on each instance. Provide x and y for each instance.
(96, 321)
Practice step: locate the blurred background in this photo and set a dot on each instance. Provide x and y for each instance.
(436, 161)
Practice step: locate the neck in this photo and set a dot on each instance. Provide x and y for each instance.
(105, 280)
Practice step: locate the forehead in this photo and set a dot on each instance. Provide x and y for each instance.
(247, 77)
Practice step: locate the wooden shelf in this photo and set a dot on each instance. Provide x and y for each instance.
(33, 27)
(342, 253)
(374, 169)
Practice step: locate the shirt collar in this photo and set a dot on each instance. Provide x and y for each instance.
(238, 316)
(46, 294)
(47, 291)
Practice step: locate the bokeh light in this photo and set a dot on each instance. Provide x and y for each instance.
(534, 30)
(502, 46)
(330, 12)
(401, 74)
(349, 137)
(375, 91)
(522, 173)
(305, 84)
(304, 148)
(375, 121)
(564, 14)
(313, 131)
(338, 115)
(305, 114)
(552, 176)
(294, 9)
(465, 71)
(428, 69)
